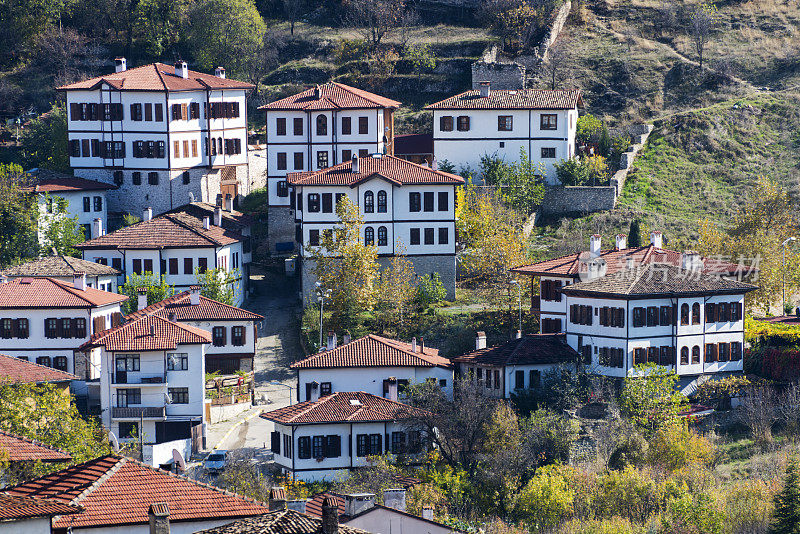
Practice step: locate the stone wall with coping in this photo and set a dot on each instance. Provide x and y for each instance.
(280, 227)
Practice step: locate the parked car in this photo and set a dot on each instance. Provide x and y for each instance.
(216, 461)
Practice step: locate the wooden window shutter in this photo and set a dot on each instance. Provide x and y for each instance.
(185, 111)
(98, 324)
(176, 111)
(244, 335)
(60, 328)
(116, 319)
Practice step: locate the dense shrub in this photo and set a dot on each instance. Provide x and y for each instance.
(631, 493)
(547, 499)
(674, 447)
(631, 451)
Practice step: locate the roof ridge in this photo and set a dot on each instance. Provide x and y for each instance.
(100, 480)
(173, 217)
(37, 365)
(34, 442)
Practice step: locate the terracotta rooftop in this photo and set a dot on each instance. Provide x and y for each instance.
(572, 264)
(17, 508)
(205, 209)
(281, 522)
(394, 170)
(51, 293)
(658, 279)
(149, 332)
(59, 266)
(206, 310)
(47, 181)
(16, 371)
(372, 351)
(157, 77)
(333, 95)
(314, 504)
(178, 229)
(116, 491)
(342, 407)
(513, 99)
(21, 449)
(530, 349)
(408, 144)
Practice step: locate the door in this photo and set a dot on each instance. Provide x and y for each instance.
(121, 375)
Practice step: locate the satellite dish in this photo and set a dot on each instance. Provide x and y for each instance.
(167, 398)
(191, 196)
(114, 441)
(177, 457)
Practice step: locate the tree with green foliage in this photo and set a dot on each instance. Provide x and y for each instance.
(218, 284)
(421, 57)
(589, 128)
(430, 290)
(19, 213)
(702, 21)
(44, 141)
(158, 24)
(520, 184)
(572, 171)
(635, 234)
(397, 288)
(157, 290)
(650, 398)
(786, 517)
(58, 230)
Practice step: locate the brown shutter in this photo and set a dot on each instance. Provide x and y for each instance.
(60, 328)
(116, 319)
(244, 335)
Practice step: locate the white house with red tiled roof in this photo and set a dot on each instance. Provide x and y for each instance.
(500, 123)
(114, 494)
(367, 364)
(406, 207)
(160, 133)
(315, 129)
(64, 268)
(323, 439)
(153, 371)
(31, 515)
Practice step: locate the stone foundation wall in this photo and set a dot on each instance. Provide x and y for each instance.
(560, 200)
(257, 170)
(501, 75)
(280, 227)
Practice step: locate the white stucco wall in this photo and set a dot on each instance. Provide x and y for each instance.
(370, 379)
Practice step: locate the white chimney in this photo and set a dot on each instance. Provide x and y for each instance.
(142, 299)
(217, 216)
(427, 513)
(219, 72)
(486, 89)
(147, 214)
(413, 344)
(355, 503)
(354, 164)
(621, 241)
(314, 391)
(228, 203)
(519, 334)
(595, 268)
(3, 279)
(480, 341)
(79, 280)
(594, 244)
(181, 69)
(120, 64)
(97, 228)
(656, 239)
(345, 339)
(194, 295)
(206, 222)
(392, 383)
(395, 498)
(331, 340)
(691, 261)
(317, 92)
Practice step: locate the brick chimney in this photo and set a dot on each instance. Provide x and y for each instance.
(181, 69)
(142, 298)
(480, 341)
(120, 64)
(206, 222)
(330, 515)
(219, 72)
(277, 498)
(317, 92)
(158, 514)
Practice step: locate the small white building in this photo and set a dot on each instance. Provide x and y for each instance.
(319, 439)
(499, 123)
(64, 269)
(517, 365)
(31, 515)
(406, 207)
(177, 243)
(369, 364)
(153, 372)
(86, 199)
(159, 133)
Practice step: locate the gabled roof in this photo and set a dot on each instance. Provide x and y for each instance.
(16, 371)
(530, 349)
(343, 407)
(393, 169)
(149, 332)
(658, 279)
(157, 77)
(19, 508)
(177, 229)
(572, 264)
(374, 351)
(207, 310)
(333, 95)
(59, 266)
(280, 522)
(237, 219)
(119, 491)
(47, 181)
(51, 293)
(21, 449)
(513, 99)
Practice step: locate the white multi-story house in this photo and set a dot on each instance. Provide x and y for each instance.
(320, 439)
(85, 199)
(500, 123)
(153, 372)
(403, 204)
(369, 364)
(177, 243)
(160, 133)
(315, 129)
(64, 269)
(45, 321)
(234, 331)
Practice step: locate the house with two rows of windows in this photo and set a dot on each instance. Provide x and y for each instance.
(160, 133)
(407, 208)
(315, 129)
(501, 123)
(64, 269)
(319, 439)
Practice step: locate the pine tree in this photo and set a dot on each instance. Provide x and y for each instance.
(635, 234)
(786, 517)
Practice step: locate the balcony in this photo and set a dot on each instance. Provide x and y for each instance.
(136, 379)
(137, 412)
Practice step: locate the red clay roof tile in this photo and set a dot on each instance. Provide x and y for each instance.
(206, 310)
(395, 170)
(371, 351)
(51, 293)
(59, 266)
(530, 349)
(333, 95)
(16, 371)
(149, 332)
(158, 77)
(47, 181)
(20, 449)
(343, 407)
(12, 507)
(513, 99)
